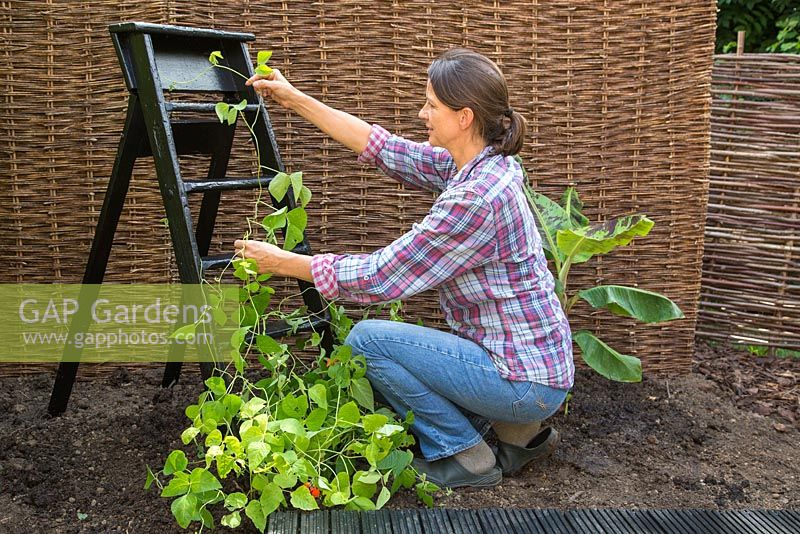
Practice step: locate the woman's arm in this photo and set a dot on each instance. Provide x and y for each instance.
(351, 131)
(457, 236)
(416, 164)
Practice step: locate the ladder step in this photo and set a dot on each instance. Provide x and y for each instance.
(216, 261)
(278, 329)
(228, 184)
(200, 106)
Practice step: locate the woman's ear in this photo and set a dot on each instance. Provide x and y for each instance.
(465, 118)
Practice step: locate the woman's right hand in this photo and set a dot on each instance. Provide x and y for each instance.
(351, 131)
(275, 86)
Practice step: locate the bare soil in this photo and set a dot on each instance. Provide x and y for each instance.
(721, 437)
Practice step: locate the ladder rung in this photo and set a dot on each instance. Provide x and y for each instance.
(201, 186)
(278, 329)
(200, 106)
(216, 261)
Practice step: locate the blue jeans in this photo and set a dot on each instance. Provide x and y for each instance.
(448, 382)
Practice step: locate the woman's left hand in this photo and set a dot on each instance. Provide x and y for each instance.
(268, 256)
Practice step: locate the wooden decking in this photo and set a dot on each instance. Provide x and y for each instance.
(498, 520)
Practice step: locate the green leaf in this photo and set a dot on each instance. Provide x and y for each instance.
(405, 479)
(294, 406)
(252, 407)
(606, 361)
(388, 430)
(294, 235)
(275, 220)
(297, 184)
(202, 480)
(263, 56)
(298, 218)
(238, 362)
(263, 70)
(583, 243)
(383, 498)
(257, 451)
(573, 205)
(234, 501)
(241, 105)
(231, 403)
(150, 479)
(361, 488)
(373, 422)
(244, 267)
(348, 414)
(267, 345)
(206, 518)
(319, 394)
(232, 114)
(231, 520)
(215, 56)
(338, 498)
(279, 185)
(396, 461)
(192, 411)
(292, 426)
(177, 486)
(285, 480)
(217, 386)
(360, 503)
(271, 498)
(303, 500)
(646, 306)
(214, 438)
(550, 218)
(82, 516)
(238, 337)
(424, 492)
(256, 515)
(184, 509)
(305, 196)
(222, 111)
(219, 316)
(370, 477)
(361, 390)
(176, 461)
(316, 418)
(184, 331)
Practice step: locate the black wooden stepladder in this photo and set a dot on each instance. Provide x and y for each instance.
(154, 59)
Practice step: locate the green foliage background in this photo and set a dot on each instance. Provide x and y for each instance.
(770, 25)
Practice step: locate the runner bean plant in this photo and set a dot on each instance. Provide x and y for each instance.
(285, 432)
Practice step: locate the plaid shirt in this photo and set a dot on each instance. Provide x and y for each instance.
(479, 245)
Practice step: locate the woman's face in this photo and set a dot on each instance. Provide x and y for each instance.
(441, 121)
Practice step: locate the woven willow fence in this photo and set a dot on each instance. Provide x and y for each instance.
(616, 95)
(751, 268)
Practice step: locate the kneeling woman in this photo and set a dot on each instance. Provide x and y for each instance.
(508, 359)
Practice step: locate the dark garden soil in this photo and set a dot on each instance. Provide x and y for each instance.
(725, 436)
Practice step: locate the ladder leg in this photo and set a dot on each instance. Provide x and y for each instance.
(165, 159)
(203, 234)
(110, 213)
(205, 228)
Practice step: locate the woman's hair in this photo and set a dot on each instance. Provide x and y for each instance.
(462, 78)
